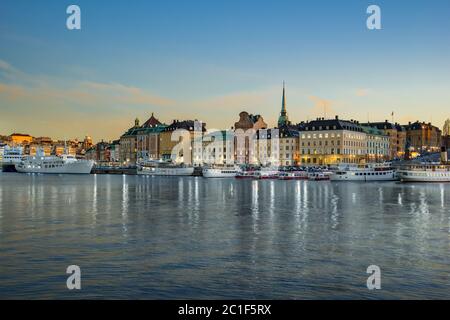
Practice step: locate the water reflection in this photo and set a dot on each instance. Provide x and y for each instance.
(167, 237)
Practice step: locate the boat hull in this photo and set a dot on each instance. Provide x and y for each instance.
(389, 175)
(219, 173)
(78, 167)
(7, 167)
(424, 176)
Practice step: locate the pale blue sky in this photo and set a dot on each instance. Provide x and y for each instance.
(211, 59)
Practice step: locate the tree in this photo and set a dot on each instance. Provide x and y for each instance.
(446, 130)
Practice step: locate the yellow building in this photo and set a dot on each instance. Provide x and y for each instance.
(178, 137)
(19, 138)
(397, 137)
(324, 142)
(423, 137)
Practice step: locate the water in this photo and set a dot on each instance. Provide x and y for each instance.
(176, 238)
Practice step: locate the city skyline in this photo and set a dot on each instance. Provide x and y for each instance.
(160, 58)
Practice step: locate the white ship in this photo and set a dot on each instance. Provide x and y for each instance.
(367, 172)
(426, 172)
(267, 173)
(220, 172)
(293, 175)
(163, 168)
(64, 164)
(11, 156)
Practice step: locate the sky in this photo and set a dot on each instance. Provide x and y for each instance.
(211, 59)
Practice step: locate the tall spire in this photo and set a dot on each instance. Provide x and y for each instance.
(283, 119)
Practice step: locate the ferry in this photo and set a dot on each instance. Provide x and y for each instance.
(426, 172)
(318, 176)
(11, 157)
(220, 172)
(366, 172)
(163, 168)
(64, 164)
(267, 173)
(293, 175)
(247, 174)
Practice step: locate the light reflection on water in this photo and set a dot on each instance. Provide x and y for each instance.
(149, 237)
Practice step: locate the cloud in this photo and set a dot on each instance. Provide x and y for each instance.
(321, 105)
(126, 94)
(362, 92)
(43, 105)
(237, 100)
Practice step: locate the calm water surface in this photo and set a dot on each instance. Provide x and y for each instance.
(176, 238)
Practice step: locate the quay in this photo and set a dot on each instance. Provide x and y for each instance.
(130, 170)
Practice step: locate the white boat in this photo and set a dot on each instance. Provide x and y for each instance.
(64, 164)
(220, 172)
(367, 172)
(163, 168)
(425, 173)
(11, 156)
(267, 173)
(293, 175)
(318, 176)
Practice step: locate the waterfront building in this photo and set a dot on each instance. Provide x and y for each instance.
(446, 142)
(2, 151)
(423, 137)
(215, 147)
(87, 143)
(332, 141)
(44, 144)
(378, 147)
(289, 145)
(114, 150)
(128, 145)
(245, 137)
(19, 138)
(397, 137)
(178, 137)
(147, 141)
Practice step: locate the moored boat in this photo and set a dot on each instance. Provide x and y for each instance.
(64, 164)
(318, 176)
(10, 157)
(424, 173)
(247, 174)
(163, 168)
(293, 175)
(366, 172)
(267, 173)
(220, 172)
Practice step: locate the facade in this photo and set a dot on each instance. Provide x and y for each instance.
(147, 141)
(178, 137)
(19, 138)
(245, 137)
(446, 142)
(334, 141)
(289, 145)
(128, 145)
(378, 146)
(397, 137)
(114, 150)
(215, 148)
(423, 137)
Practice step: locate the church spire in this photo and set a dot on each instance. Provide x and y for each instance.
(283, 119)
